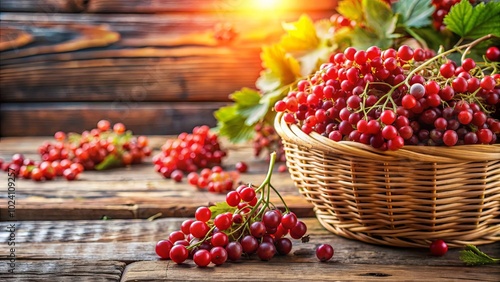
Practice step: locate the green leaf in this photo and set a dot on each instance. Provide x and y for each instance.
(471, 255)
(237, 120)
(351, 9)
(268, 81)
(379, 17)
(109, 162)
(362, 39)
(220, 208)
(282, 68)
(300, 35)
(429, 37)
(245, 97)
(414, 13)
(474, 22)
(232, 125)
(378, 28)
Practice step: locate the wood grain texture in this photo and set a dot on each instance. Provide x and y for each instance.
(13, 38)
(66, 270)
(129, 59)
(171, 57)
(44, 119)
(284, 270)
(128, 193)
(45, 6)
(133, 240)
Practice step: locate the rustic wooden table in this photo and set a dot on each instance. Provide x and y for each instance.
(60, 234)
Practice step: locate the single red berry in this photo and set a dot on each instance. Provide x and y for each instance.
(218, 255)
(241, 167)
(493, 54)
(202, 258)
(179, 253)
(438, 248)
(324, 252)
(163, 249)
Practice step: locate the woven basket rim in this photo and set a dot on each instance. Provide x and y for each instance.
(442, 154)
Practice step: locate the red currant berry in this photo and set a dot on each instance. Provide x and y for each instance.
(247, 194)
(241, 167)
(163, 249)
(203, 214)
(178, 254)
(438, 248)
(493, 54)
(202, 258)
(218, 255)
(324, 252)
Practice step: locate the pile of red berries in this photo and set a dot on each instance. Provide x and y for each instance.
(27, 168)
(246, 223)
(389, 98)
(189, 152)
(100, 148)
(215, 180)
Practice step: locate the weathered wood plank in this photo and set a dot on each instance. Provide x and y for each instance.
(36, 119)
(46, 6)
(189, 78)
(282, 270)
(86, 36)
(134, 240)
(12, 38)
(65, 270)
(159, 29)
(150, 6)
(134, 192)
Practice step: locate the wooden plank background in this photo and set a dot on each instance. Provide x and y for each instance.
(62, 58)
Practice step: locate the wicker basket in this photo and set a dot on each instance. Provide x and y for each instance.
(408, 197)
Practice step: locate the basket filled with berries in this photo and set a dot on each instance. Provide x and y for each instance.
(399, 146)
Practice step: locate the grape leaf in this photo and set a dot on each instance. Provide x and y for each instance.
(236, 121)
(300, 35)
(281, 68)
(351, 9)
(220, 208)
(414, 13)
(378, 28)
(379, 17)
(474, 22)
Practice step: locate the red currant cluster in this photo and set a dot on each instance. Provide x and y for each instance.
(45, 170)
(189, 153)
(215, 180)
(99, 148)
(395, 97)
(246, 223)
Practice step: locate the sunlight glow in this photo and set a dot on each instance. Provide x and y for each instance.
(266, 4)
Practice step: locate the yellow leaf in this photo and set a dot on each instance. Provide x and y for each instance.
(300, 35)
(351, 9)
(280, 64)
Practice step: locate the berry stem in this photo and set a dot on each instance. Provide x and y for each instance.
(467, 47)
